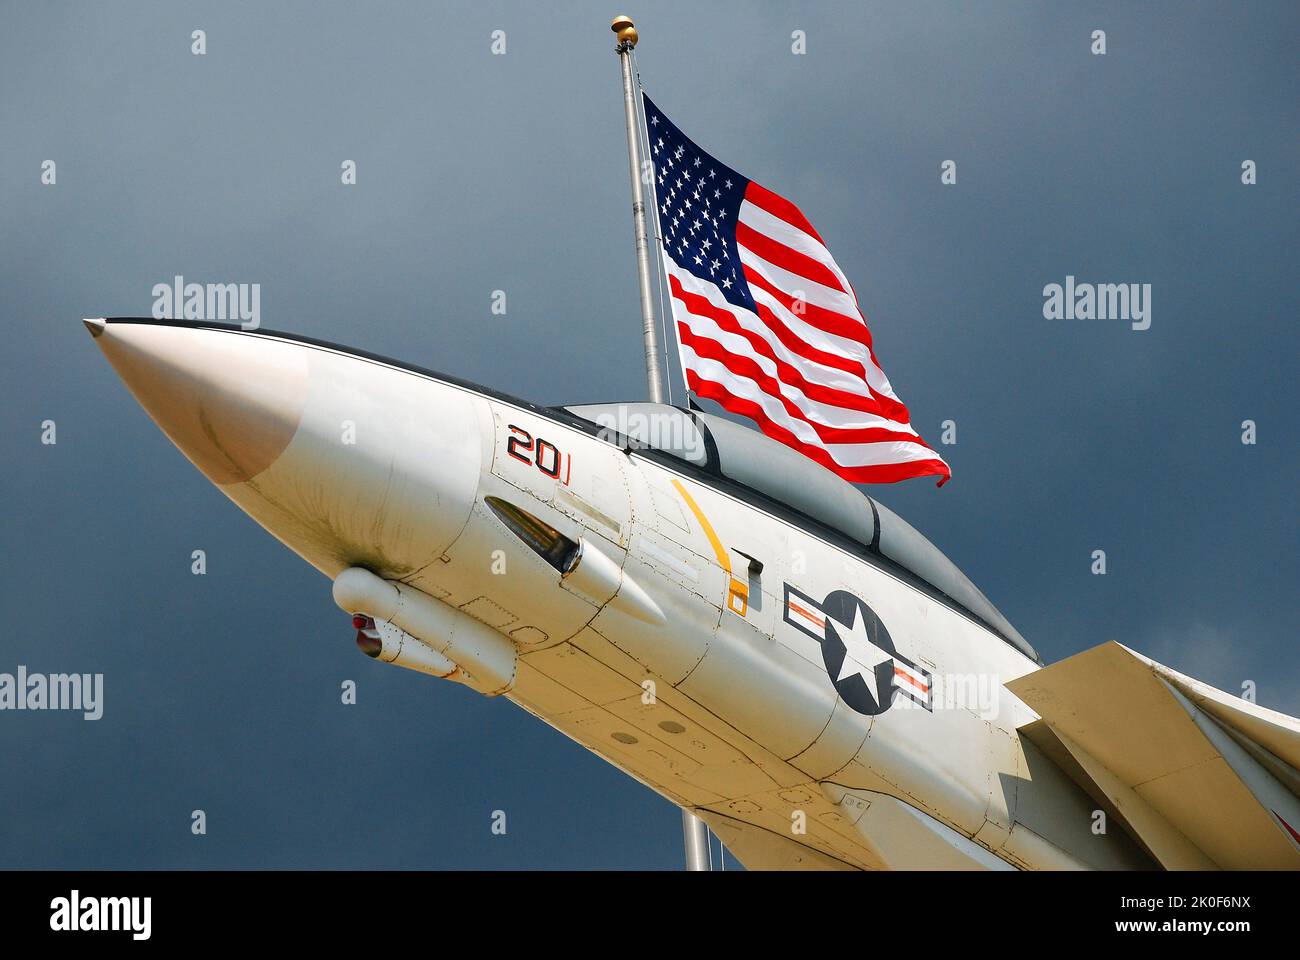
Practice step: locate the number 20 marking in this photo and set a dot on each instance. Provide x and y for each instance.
(542, 454)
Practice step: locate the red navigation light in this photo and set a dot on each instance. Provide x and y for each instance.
(369, 643)
(360, 621)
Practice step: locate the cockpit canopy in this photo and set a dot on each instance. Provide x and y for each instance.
(746, 457)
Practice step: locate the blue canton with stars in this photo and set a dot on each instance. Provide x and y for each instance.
(698, 201)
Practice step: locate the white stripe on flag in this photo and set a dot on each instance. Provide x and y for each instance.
(774, 228)
(846, 455)
(811, 370)
(812, 410)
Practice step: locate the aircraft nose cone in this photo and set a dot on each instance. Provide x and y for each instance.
(230, 403)
(350, 461)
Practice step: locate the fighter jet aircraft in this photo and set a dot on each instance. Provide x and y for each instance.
(724, 620)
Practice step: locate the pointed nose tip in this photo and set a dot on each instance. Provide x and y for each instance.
(230, 401)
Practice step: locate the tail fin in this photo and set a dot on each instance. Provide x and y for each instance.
(1201, 778)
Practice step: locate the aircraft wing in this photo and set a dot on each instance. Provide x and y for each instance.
(1202, 779)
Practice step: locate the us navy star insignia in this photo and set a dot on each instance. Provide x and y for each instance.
(861, 656)
(855, 643)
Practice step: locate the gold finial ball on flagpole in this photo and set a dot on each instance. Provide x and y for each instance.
(627, 34)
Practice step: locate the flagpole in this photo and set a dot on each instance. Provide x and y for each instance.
(627, 37)
(695, 836)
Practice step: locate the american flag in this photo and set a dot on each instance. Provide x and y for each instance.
(767, 324)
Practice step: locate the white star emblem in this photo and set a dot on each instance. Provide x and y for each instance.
(861, 656)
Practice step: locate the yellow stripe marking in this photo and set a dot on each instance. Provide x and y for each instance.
(737, 591)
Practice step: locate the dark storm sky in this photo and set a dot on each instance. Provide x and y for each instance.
(479, 172)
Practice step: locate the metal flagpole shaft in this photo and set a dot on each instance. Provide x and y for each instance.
(695, 838)
(695, 835)
(627, 38)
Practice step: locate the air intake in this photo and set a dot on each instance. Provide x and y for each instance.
(544, 540)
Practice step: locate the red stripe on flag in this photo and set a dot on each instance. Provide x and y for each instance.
(748, 369)
(806, 350)
(828, 321)
(851, 330)
(878, 473)
(700, 306)
(781, 208)
(778, 254)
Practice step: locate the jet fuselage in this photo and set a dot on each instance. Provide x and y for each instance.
(818, 703)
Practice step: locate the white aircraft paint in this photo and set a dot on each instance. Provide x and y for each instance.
(685, 642)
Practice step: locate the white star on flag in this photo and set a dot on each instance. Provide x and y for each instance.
(861, 656)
